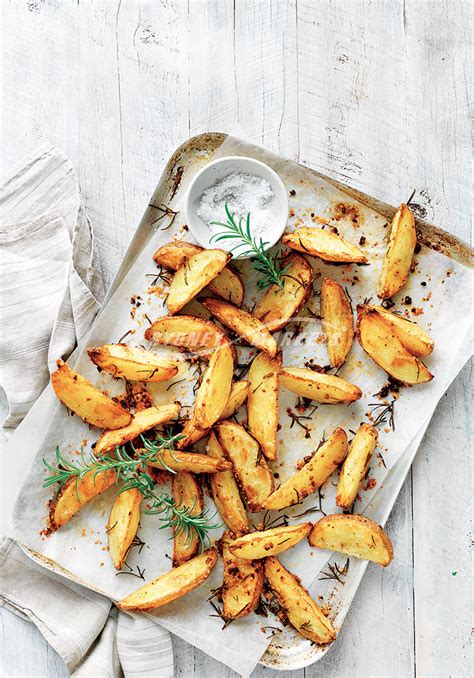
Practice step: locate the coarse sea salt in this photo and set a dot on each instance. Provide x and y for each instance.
(243, 193)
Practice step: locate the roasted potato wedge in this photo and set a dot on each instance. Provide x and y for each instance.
(85, 400)
(142, 421)
(214, 391)
(313, 474)
(243, 324)
(193, 276)
(414, 339)
(186, 492)
(302, 612)
(399, 254)
(122, 525)
(323, 388)
(228, 284)
(75, 494)
(269, 542)
(171, 460)
(356, 464)
(337, 321)
(279, 305)
(378, 339)
(132, 363)
(250, 467)
(186, 333)
(174, 584)
(243, 582)
(193, 433)
(195, 309)
(323, 244)
(225, 492)
(354, 535)
(262, 402)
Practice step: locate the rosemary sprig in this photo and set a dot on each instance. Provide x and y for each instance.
(335, 572)
(130, 470)
(267, 265)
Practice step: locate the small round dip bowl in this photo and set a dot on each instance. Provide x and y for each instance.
(278, 207)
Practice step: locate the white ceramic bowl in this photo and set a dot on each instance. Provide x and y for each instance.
(218, 169)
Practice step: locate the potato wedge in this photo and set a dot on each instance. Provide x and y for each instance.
(243, 324)
(413, 338)
(399, 254)
(302, 612)
(122, 525)
(278, 305)
(214, 391)
(174, 584)
(262, 402)
(174, 461)
(225, 492)
(378, 339)
(186, 492)
(356, 464)
(323, 244)
(313, 474)
(195, 309)
(85, 400)
(243, 582)
(74, 495)
(193, 276)
(250, 466)
(228, 284)
(354, 535)
(142, 421)
(132, 363)
(323, 388)
(192, 432)
(269, 542)
(186, 333)
(337, 321)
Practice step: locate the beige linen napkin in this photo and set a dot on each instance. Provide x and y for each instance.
(51, 291)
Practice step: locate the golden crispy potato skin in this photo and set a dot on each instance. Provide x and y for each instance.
(399, 254)
(85, 400)
(243, 582)
(142, 421)
(262, 401)
(74, 495)
(323, 244)
(225, 492)
(243, 324)
(189, 461)
(228, 284)
(194, 274)
(186, 492)
(192, 432)
(338, 325)
(132, 363)
(278, 305)
(214, 390)
(174, 584)
(250, 466)
(313, 474)
(356, 465)
(323, 388)
(377, 338)
(354, 535)
(412, 336)
(186, 333)
(302, 612)
(123, 524)
(269, 542)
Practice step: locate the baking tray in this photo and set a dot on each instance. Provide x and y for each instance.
(290, 652)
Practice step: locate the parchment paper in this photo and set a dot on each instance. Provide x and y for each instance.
(438, 306)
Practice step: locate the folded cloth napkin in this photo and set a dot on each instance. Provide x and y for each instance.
(51, 291)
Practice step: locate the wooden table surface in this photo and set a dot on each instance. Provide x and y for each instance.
(373, 93)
